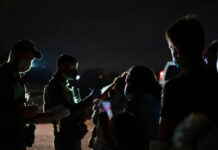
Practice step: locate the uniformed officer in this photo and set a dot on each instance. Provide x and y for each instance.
(59, 92)
(14, 113)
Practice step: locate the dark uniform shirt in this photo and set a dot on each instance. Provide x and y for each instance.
(12, 100)
(58, 93)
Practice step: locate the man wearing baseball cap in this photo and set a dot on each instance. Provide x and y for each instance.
(22, 54)
(14, 113)
(70, 130)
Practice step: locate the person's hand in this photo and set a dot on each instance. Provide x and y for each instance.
(95, 93)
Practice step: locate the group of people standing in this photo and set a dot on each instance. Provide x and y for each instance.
(140, 110)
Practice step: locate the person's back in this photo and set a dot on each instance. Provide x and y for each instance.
(147, 110)
(143, 92)
(191, 92)
(194, 90)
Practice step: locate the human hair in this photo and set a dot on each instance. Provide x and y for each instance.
(65, 59)
(119, 81)
(188, 36)
(143, 79)
(212, 50)
(193, 132)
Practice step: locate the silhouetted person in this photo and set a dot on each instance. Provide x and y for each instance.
(143, 93)
(58, 92)
(116, 100)
(196, 132)
(125, 132)
(211, 55)
(14, 113)
(195, 88)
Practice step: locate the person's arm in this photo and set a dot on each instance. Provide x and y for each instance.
(54, 95)
(47, 104)
(91, 141)
(80, 107)
(168, 114)
(165, 130)
(12, 107)
(104, 125)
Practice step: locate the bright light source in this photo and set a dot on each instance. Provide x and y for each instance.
(161, 75)
(77, 77)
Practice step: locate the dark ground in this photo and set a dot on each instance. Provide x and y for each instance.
(44, 137)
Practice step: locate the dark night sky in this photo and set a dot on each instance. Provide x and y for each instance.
(109, 35)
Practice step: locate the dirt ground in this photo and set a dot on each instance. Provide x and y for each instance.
(44, 137)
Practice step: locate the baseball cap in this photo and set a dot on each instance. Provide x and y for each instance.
(26, 46)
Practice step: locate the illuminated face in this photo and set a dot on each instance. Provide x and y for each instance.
(174, 53)
(25, 62)
(126, 85)
(73, 66)
(172, 49)
(71, 72)
(128, 89)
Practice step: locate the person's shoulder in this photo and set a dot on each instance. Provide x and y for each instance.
(209, 75)
(55, 81)
(3, 68)
(174, 82)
